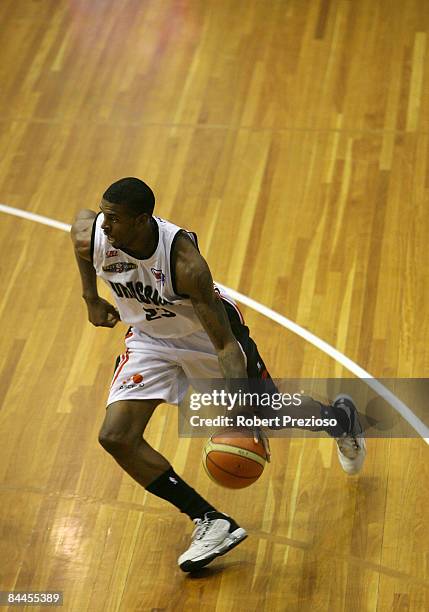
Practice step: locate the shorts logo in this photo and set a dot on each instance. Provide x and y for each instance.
(136, 380)
(120, 266)
(159, 275)
(111, 253)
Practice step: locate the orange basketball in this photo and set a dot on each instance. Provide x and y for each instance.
(233, 460)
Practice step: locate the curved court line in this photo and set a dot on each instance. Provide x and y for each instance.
(350, 365)
(33, 217)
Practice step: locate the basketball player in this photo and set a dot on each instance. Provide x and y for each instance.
(181, 328)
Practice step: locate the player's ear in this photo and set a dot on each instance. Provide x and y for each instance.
(143, 219)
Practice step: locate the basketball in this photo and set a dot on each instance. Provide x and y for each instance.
(233, 460)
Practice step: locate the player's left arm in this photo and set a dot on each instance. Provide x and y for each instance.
(194, 279)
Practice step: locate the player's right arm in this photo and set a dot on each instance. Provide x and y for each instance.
(100, 312)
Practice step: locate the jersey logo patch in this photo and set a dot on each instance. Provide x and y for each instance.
(159, 275)
(120, 266)
(111, 253)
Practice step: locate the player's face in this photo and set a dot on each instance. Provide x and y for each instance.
(119, 226)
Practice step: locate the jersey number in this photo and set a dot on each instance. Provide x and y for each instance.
(152, 313)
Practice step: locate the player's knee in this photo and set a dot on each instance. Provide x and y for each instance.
(115, 443)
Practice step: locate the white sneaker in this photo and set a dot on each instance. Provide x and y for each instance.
(351, 448)
(213, 536)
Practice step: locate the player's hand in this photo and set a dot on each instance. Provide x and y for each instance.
(259, 435)
(101, 313)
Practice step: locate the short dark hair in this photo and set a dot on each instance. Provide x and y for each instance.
(132, 193)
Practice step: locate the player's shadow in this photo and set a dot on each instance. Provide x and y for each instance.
(378, 418)
(213, 570)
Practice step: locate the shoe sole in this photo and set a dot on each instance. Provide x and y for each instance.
(192, 566)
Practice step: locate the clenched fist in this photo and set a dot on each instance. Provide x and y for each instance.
(101, 313)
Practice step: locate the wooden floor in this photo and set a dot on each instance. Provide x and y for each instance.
(293, 137)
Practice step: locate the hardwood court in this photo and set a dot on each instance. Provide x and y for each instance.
(293, 137)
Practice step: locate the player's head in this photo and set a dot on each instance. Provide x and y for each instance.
(127, 207)
(132, 194)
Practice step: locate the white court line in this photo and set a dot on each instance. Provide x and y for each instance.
(350, 365)
(33, 217)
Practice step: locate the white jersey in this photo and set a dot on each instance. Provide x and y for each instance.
(144, 289)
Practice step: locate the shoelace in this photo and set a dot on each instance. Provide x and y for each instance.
(201, 527)
(349, 443)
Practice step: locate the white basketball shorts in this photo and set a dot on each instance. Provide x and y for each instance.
(159, 368)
